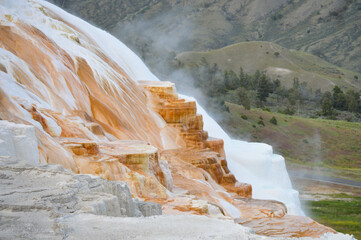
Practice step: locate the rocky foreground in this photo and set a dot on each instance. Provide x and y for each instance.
(49, 202)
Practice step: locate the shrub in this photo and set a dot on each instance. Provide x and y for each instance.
(260, 122)
(288, 111)
(273, 120)
(333, 13)
(276, 54)
(277, 17)
(244, 117)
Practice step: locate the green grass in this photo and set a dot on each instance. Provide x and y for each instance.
(314, 143)
(289, 64)
(342, 215)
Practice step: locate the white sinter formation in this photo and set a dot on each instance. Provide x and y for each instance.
(253, 163)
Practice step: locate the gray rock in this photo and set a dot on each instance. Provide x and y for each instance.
(149, 208)
(32, 199)
(137, 212)
(62, 192)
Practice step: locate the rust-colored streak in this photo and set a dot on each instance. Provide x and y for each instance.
(92, 118)
(125, 116)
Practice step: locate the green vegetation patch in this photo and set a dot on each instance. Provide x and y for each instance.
(329, 144)
(342, 215)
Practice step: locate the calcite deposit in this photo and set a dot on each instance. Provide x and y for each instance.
(78, 93)
(196, 147)
(50, 202)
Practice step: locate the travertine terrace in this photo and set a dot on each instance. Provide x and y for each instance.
(196, 147)
(80, 90)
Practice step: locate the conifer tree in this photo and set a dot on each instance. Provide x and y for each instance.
(327, 106)
(338, 99)
(263, 88)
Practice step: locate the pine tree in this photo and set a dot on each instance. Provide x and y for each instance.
(276, 84)
(255, 79)
(243, 97)
(318, 96)
(231, 80)
(243, 81)
(353, 101)
(263, 88)
(327, 106)
(339, 99)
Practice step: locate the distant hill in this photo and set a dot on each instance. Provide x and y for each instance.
(278, 62)
(329, 29)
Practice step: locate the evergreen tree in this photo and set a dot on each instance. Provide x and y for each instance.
(339, 99)
(243, 78)
(231, 80)
(293, 95)
(318, 96)
(254, 80)
(276, 84)
(353, 101)
(263, 88)
(327, 106)
(243, 97)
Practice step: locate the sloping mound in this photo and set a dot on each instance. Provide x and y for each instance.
(279, 63)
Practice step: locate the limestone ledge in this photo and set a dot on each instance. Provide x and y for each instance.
(52, 188)
(134, 162)
(200, 150)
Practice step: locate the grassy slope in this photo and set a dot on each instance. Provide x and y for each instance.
(343, 214)
(308, 143)
(254, 56)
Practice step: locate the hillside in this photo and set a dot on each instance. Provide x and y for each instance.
(329, 29)
(277, 62)
(325, 146)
